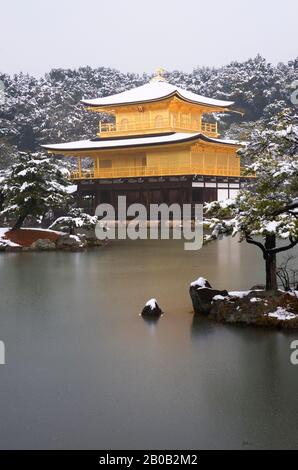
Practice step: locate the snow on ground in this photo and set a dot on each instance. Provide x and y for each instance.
(3, 230)
(240, 294)
(5, 241)
(282, 314)
(43, 230)
(74, 237)
(218, 297)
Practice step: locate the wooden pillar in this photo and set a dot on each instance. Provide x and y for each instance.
(189, 189)
(80, 167)
(216, 162)
(171, 121)
(96, 166)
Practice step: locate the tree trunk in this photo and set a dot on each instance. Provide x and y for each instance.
(1, 200)
(19, 223)
(270, 259)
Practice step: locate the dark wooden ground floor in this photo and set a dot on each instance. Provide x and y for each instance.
(169, 190)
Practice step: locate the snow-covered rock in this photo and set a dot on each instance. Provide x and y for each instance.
(200, 282)
(151, 309)
(70, 242)
(43, 244)
(218, 297)
(282, 314)
(3, 245)
(259, 308)
(203, 295)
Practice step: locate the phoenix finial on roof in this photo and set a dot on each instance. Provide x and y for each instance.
(159, 75)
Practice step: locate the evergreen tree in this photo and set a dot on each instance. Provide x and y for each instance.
(48, 109)
(34, 185)
(267, 208)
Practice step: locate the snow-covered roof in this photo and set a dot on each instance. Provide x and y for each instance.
(155, 91)
(112, 143)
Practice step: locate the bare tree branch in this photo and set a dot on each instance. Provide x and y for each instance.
(287, 208)
(250, 240)
(293, 243)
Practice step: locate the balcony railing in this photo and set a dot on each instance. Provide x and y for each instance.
(141, 171)
(165, 125)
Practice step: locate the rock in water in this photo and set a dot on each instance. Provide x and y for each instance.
(3, 245)
(151, 309)
(201, 282)
(43, 244)
(202, 294)
(70, 242)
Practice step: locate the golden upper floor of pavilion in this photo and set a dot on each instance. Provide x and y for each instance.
(155, 108)
(157, 130)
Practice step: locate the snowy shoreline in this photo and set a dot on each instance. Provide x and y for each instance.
(36, 239)
(252, 307)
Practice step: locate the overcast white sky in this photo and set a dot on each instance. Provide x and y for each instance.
(138, 35)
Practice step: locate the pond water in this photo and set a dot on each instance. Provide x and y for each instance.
(84, 371)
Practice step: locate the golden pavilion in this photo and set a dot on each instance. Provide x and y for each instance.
(157, 149)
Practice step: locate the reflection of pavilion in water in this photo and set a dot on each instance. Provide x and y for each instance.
(229, 253)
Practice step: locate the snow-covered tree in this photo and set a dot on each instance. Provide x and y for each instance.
(75, 218)
(47, 109)
(8, 155)
(267, 208)
(34, 185)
